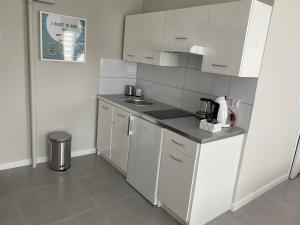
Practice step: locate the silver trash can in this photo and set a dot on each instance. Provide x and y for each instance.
(59, 150)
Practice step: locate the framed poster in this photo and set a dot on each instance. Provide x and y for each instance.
(63, 38)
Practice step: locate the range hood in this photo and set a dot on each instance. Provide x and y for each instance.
(191, 49)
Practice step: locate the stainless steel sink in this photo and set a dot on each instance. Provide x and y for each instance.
(138, 102)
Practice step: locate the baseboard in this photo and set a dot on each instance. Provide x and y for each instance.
(84, 152)
(237, 205)
(11, 165)
(28, 162)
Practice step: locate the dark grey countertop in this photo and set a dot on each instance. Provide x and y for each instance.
(185, 126)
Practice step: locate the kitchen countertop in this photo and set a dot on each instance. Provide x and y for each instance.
(185, 126)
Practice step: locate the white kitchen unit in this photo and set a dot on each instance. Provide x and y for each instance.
(196, 182)
(185, 27)
(143, 33)
(113, 135)
(230, 36)
(105, 119)
(236, 37)
(120, 138)
(144, 157)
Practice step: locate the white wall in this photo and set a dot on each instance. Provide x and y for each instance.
(276, 113)
(14, 125)
(157, 5)
(65, 92)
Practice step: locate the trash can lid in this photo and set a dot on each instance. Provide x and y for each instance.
(60, 136)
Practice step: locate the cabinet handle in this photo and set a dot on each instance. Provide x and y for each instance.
(176, 159)
(129, 130)
(219, 65)
(177, 143)
(181, 38)
(120, 115)
(149, 57)
(104, 107)
(131, 55)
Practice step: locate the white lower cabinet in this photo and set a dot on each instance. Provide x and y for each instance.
(196, 188)
(120, 138)
(144, 157)
(196, 181)
(105, 118)
(176, 177)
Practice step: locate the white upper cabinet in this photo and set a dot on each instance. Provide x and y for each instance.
(235, 38)
(132, 38)
(186, 27)
(143, 35)
(231, 36)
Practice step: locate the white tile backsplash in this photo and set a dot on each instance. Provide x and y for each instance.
(146, 86)
(171, 76)
(243, 115)
(110, 86)
(178, 86)
(184, 86)
(206, 83)
(115, 74)
(146, 71)
(191, 100)
(117, 68)
(243, 89)
(166, 94)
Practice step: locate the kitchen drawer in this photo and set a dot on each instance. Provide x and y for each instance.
(176, 181)
(180, 143)
(105, 106)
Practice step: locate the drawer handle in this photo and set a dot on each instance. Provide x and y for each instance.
(120, 115)
(176, 159)
(177, 143)
(149, 57)
(131, 55)
(181, 38)
(219, 65)
(104, 107)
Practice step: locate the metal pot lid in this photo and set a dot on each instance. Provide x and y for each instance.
(60, 136)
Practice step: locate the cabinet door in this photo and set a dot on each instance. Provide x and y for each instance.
(175, 181)
(120, 138)
(186, 27)
(225, 38)
(143, 33)
(144, 155)
(132, 38)
(152, 35)
(105, 114)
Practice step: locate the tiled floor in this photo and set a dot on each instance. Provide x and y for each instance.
(93, 193)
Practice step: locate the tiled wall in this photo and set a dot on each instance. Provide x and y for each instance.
(115, 74)
(183, 86)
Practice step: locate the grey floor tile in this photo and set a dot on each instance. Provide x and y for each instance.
(107, 187)
(41, 206)
(229, 218)
(25, 178)
(93, 217)
(9, 211)
(270, 210)
(5, 184)
(86, 165)
(136, 211)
